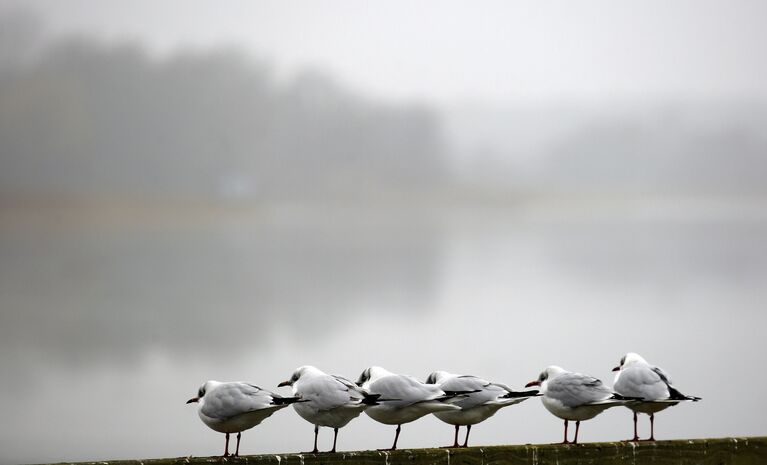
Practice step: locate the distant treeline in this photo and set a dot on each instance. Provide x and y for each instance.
(83, 118)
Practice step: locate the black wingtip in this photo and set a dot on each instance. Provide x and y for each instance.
(516, 394)
(285, 400)
(674, 394)
(617, 396)
(451, 394)
(370, 399)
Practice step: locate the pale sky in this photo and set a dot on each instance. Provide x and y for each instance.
(450, 51)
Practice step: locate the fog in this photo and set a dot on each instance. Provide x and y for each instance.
(177, 211)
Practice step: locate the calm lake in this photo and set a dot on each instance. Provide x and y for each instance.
(112, 316)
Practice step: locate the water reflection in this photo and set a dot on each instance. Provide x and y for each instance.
(111, 291)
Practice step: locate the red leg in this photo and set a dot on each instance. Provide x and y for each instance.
(316, 433)
(335, 437)
(396, 436)
(226, 447)
(455, 440)
(577, 427)
(652, 427)
(237, 452)
(636, 435)
(466, 441)
(565, 440)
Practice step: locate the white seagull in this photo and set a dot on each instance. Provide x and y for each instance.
(575, 397)
(402, 398)
(236, 406)
(635, 377)
(327, 400)
(481, 401)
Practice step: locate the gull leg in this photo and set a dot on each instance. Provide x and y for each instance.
(335, 437)
(316, 433)
(396, 436)
(455, 439)
(237, 451)
(466, 441)
(565, 440)
(226, 447)
(577, 427)
(636, 435)
(652, 429)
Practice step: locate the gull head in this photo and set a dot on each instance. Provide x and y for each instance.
(550, 372)
(207, 386)
(305, 371)
(628, 360)
(371, 374)
(437, 377)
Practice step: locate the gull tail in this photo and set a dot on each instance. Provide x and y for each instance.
(370, 399)
(449, 394)
(617, 396)
(455, 396)
(676, 395)
(279, 400)
(517, 394)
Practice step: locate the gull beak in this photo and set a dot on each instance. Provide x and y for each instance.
(617, 369)
(533, 383)
(193, 399)
(285, 383)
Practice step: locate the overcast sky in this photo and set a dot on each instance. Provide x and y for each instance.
(449, 51)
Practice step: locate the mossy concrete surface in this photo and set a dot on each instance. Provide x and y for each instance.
(724, 451)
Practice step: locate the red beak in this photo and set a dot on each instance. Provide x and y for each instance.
(533, 383)
(285, 383)
(617, 369)
(193, 399)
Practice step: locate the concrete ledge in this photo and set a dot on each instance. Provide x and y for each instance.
(724, 451)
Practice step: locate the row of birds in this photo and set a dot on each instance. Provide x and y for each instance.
(460, 400)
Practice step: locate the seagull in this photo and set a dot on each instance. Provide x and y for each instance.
(481, 401)
(328, 400)
(236, 406)
(575, 397)
(636, 377)
(402, 398)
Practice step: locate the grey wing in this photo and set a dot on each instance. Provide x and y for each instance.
(345, 381)
(326, 393)
(478, 391)
(355, 391)
(404, 390)
(642, 381)
(463, 383)
(574, 389)
(504, 387)
(663, 375)
(232, 399)
(673, 393)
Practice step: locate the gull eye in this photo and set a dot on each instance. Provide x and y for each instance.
(201, 392)
(623, 360)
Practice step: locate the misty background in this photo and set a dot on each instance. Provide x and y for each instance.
(192, 193)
